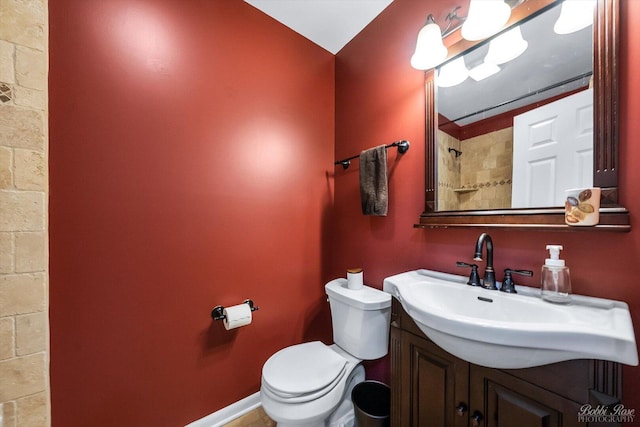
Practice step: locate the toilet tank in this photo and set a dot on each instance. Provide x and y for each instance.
(360, 319)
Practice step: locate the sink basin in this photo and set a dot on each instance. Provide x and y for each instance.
(510, 331)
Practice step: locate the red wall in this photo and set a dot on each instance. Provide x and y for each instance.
(190, 147)
(191, 150)
(379, 99)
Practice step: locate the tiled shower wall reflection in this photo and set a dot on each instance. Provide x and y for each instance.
(481, 177)
(448, 172)
(24, 355)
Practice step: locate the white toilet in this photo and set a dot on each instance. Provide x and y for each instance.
(310, 384)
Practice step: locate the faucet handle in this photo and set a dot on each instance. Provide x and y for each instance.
(508, 285)
(474, 277)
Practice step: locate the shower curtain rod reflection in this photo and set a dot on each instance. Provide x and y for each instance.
(403, 147)
(521, 97)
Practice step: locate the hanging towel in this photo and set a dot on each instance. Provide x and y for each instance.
(373, 181)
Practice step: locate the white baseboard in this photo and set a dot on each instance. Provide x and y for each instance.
(229, 413)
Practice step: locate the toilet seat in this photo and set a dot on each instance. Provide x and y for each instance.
(312, 409)
(303, 372)
(303, 397)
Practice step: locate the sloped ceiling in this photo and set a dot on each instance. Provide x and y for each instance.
(330, 24)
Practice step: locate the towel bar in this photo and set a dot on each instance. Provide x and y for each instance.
(403, 147)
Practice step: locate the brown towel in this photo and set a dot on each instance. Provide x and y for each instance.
(373, 181)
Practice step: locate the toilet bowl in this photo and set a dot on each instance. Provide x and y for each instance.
(310, 384)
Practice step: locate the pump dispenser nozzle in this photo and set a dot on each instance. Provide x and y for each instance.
(556, 283)
(554, 256)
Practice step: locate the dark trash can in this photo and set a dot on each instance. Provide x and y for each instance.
(372, 404)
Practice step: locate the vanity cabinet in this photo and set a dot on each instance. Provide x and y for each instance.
(430, 387)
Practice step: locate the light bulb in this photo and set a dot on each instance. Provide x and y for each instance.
(485, 18)
(506, 47)
(430, 51)
(574, 15)
(452, 73)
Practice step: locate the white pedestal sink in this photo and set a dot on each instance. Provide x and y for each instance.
(509, 331)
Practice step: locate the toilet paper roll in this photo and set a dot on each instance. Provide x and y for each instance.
(236, 316)
(355, 278)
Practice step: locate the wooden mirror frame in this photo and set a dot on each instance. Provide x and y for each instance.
(613, 217)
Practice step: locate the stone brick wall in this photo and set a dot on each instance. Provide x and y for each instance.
(486, 167)
(481, 177)
(448, 172)
(24, 325)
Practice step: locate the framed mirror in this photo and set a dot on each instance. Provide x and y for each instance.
(489, 193)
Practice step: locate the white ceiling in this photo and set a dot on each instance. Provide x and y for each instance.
(331, 24)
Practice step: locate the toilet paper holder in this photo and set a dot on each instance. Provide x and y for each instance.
(218, 311)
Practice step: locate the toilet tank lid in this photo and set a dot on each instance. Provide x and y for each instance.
(365, 298)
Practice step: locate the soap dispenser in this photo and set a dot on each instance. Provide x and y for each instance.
(556, 282)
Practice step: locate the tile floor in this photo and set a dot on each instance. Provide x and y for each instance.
(255, 418)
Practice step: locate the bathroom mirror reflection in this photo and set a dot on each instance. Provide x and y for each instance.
(515, 116)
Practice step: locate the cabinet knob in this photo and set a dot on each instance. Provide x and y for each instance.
(461, 409)
(476, 419)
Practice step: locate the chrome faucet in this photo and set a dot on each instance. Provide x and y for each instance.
(489, 281)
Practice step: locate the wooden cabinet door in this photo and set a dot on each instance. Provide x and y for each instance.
(504, 400)
(431, 385)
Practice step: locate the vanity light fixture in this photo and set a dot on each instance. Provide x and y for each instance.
(574, 15)
(452, 73)
(506, 47)
(486, 17)
(430, 51)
